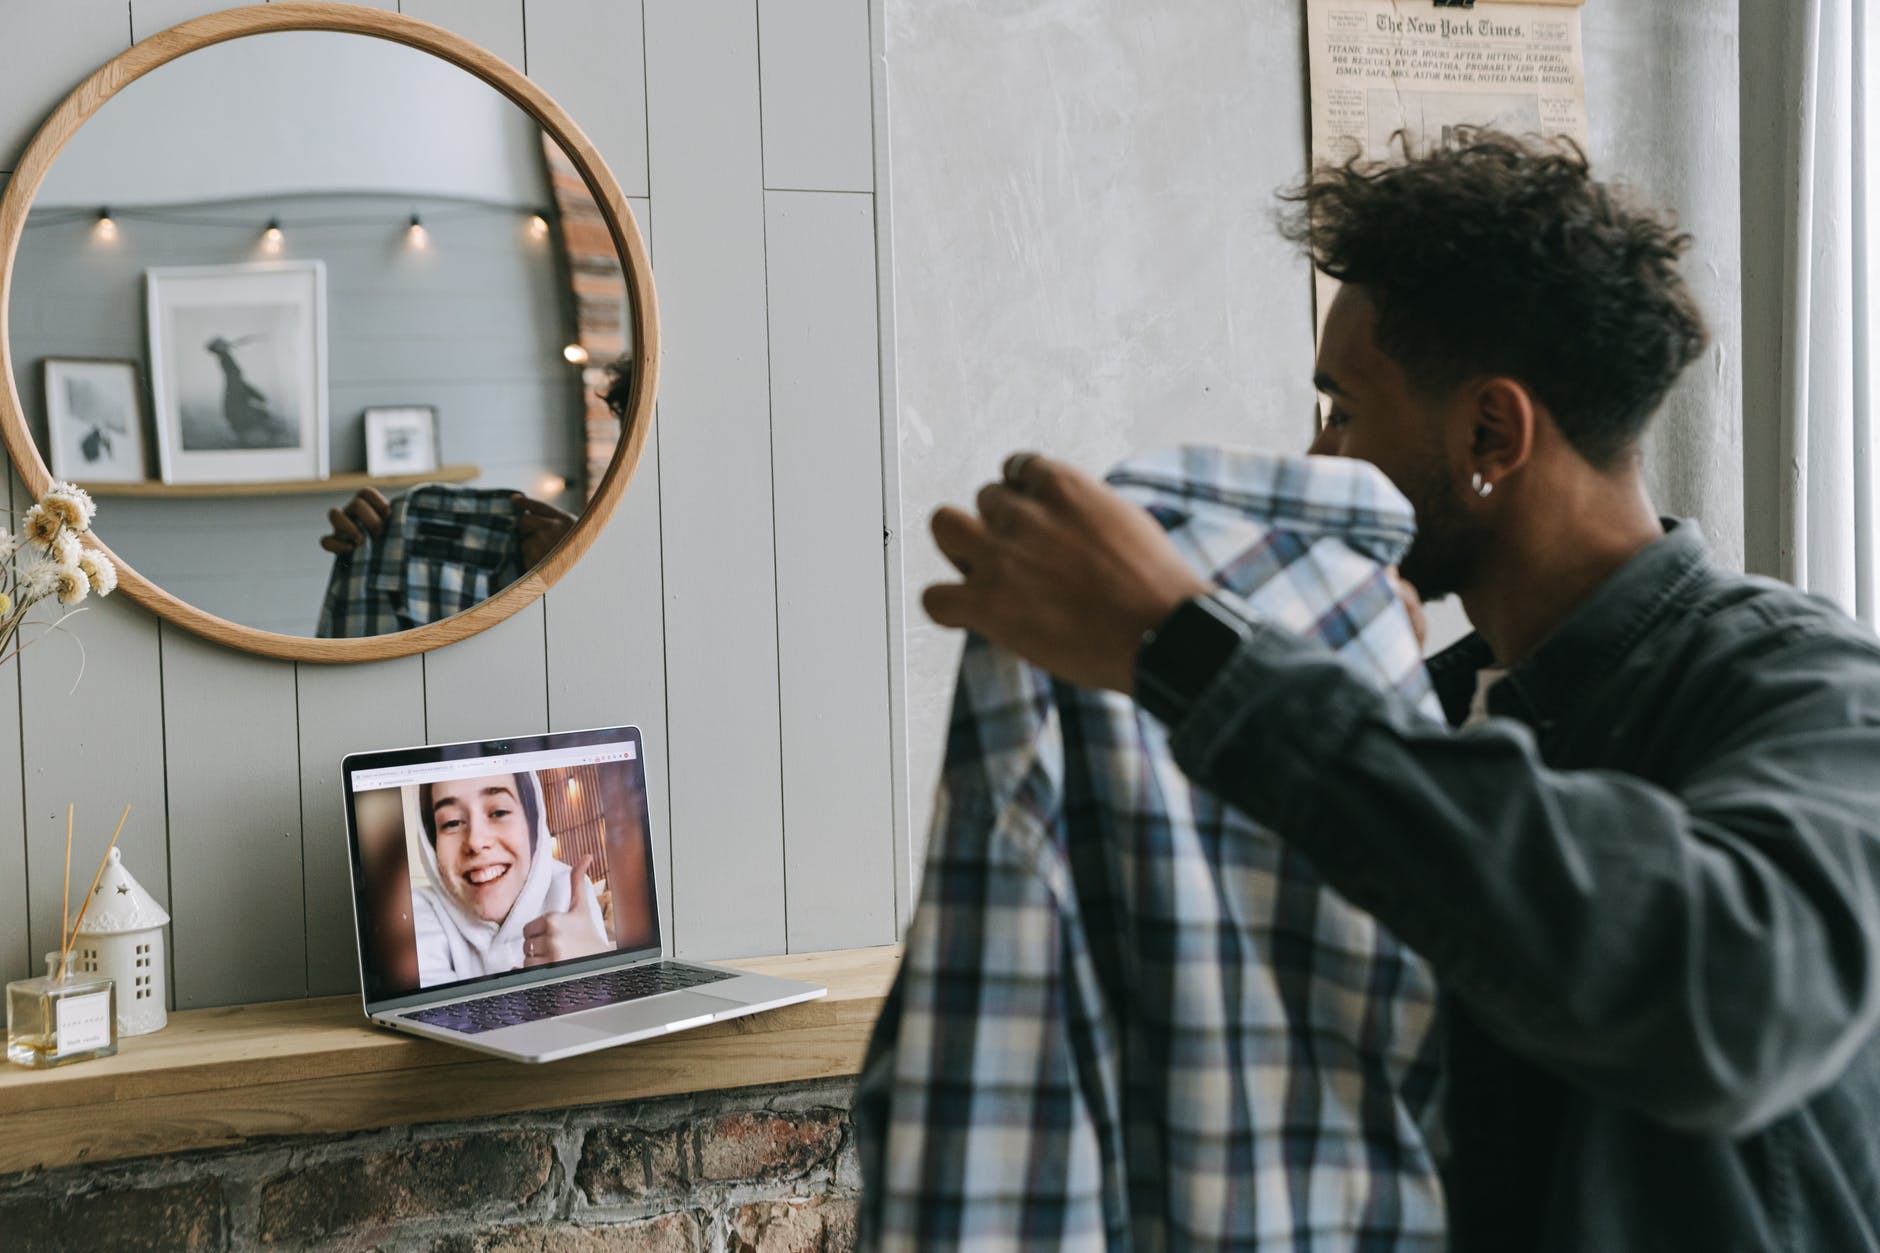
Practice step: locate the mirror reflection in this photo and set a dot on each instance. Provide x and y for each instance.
(328, 325)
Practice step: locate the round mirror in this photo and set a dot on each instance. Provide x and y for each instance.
(289, 259)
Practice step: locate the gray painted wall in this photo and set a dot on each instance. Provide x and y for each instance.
(213, 127)
(734, 608)
(1085, 260)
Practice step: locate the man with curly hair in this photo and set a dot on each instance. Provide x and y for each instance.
(1644, 857)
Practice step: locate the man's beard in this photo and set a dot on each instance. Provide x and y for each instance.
(1444, 557)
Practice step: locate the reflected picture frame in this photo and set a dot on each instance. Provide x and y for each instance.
(401, 440)
(238, 371)
(95, 419)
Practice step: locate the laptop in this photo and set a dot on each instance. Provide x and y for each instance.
(504, 899)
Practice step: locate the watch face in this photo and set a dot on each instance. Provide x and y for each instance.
(1176, 665)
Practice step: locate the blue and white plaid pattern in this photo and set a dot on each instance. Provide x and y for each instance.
(1127, 1017)
(445, 549)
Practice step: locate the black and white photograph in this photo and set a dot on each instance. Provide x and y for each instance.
(401, 440)
(238, 371)
(94, 419)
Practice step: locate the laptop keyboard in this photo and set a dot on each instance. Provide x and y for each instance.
(551, 1000)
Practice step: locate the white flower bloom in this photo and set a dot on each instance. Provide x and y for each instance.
(39, 578)
(72, 585)
(41, 525)
(65, 549)
(9, 544)
(71, 504)
(99, 570)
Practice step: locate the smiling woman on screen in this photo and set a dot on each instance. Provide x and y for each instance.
(498, 899)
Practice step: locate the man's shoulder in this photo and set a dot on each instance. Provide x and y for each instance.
(1748, 619)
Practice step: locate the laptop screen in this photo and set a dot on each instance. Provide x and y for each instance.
(495, 859)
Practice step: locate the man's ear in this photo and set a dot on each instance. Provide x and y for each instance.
(1504, 416)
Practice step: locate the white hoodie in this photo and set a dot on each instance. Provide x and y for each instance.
(455, 944)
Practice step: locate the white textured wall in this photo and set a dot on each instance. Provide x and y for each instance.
(1085, 260)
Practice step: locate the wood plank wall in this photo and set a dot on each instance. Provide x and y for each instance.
(739, 607)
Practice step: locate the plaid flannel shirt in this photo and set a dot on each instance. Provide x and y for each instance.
(1127, 1017)
(445, 549)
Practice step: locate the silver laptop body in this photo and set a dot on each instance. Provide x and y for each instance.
(471, 924)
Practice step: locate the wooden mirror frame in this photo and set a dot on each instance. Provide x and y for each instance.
(166, 46)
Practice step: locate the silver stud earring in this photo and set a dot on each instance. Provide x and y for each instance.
(1481, 485)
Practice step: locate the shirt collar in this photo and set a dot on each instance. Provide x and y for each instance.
(1589, 643)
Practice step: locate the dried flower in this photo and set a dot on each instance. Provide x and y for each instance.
(47, 559)
(72, 585)
(65, 549)
(41, 525)
(70, 504)
(38, 579)
(99, 570)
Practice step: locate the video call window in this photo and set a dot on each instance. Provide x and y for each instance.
(482, 868)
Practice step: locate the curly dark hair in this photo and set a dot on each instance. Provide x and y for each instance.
(1503, 256)
(619, 390)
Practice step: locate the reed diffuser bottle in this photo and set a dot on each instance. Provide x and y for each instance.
(64, 1017)
(71, 1014)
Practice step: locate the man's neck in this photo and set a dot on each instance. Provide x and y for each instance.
(1546, 565)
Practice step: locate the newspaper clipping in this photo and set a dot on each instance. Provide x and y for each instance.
(1380, 68)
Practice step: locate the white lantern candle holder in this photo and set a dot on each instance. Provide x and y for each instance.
(122, 939)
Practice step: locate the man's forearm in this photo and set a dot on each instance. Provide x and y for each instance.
(1707, 956)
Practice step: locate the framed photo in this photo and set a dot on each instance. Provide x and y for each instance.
(401, 440)
(94, 420)
(238, 371)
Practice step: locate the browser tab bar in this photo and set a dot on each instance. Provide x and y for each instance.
(471, 767)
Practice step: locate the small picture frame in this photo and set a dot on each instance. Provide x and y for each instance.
(238, 371)
(94, 419)
(401, 439)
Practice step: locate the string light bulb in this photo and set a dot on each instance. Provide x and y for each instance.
(106, 229)
(416, 235)
(538, 226)
(576, 354)
(272, 237)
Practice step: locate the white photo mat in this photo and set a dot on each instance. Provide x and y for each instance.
(94, 420)
(238, 371)
(401, 439)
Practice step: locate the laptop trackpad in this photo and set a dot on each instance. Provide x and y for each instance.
(674, 1007)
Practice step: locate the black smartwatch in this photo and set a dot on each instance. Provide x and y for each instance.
(1180, 658)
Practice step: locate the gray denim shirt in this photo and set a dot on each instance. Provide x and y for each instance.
(1649, 885)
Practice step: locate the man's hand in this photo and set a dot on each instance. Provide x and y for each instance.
(541, 527)
(1412, 606)
(1061, 570)
(558, 937)
(363, 515)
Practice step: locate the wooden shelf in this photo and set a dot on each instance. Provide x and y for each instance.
(217, 1077)
(338, 483)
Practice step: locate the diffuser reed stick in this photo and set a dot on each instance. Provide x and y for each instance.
(65, 950)
(65, 893)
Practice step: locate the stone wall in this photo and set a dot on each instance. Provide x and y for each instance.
(754, 1170)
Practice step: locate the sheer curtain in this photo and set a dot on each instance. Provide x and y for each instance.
(1808, 282)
